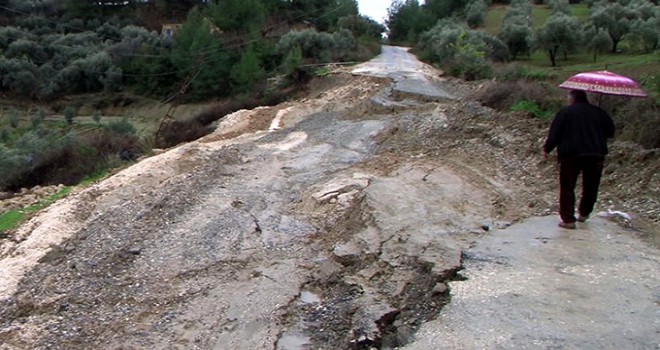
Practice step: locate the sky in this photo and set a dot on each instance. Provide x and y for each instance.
(376, 9)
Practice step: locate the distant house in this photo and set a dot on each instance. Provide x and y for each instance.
(170, 28)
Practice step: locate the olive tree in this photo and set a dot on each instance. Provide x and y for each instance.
(614, 18)
(518, 37)
(596, 40)
(560, 32)
(475, 13)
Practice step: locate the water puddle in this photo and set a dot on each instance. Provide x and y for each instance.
(293, 341)
(308, 297)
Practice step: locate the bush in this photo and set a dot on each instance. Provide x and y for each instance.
(640, 121)
(121, 127)
(70, 114)
(97, 116)
(10, 34)
(460, 51)
(503, 95)
(26, 48)
(314, 45)
(318, 47)
(25, 83)
(14, 118)
(475, 13)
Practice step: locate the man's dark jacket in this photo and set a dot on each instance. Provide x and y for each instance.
(580, 129)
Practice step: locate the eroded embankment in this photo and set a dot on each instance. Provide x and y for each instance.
(308, 228)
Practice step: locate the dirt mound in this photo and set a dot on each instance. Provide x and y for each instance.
(507, 147)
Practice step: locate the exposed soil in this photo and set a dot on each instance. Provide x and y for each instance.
(337, 229)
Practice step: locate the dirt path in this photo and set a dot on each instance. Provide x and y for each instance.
(336, 222)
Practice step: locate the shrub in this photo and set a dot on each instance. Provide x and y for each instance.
(36, 24)
(84, 39)
(503, 95)
(460, 51)
(121, 127)
(14, 118)
(475, 13)
(109, 31)
(70, 114)
(97, 116)
(10, 34)
(38, 118)
(318, 47)
(26, 48)
(25, 83)
(640, 121)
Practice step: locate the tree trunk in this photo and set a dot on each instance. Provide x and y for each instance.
(553, 53)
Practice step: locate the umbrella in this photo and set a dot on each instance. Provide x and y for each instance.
(604, 82)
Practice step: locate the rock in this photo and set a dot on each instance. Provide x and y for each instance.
(347, 253)
(329, 268)
(6, 195)
(440, 288)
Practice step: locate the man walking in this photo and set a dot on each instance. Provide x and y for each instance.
(579, 132)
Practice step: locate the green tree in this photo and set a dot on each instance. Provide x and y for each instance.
(292, 61)
(247, 72)
(475, 13)
(244, 16)
(362, 27)
(560, 32)
(614, 18)
(460, 51)
(646, 32)
(560, 6)
(201, 58)
(596, 40)
(518, 37)
(444, 8)
(406, 20)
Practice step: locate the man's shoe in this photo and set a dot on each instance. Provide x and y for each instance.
(568, 225)
(581, 218)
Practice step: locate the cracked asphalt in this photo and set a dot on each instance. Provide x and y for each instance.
(320, 232)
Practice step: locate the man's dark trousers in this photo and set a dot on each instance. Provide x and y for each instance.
(591, 168)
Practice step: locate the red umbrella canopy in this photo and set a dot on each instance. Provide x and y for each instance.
(604, 82)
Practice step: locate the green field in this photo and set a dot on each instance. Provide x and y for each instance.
(643, 67)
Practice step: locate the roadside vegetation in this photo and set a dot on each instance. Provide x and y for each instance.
(236, 53)
(529, 47)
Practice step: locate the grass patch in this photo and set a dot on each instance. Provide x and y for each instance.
(10, 220)
(532, 108)
(90, 179)
(13, 218)
(322, 71)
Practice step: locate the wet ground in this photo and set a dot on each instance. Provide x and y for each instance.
(311, 226)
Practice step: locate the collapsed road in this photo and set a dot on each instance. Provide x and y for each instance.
(322, 224)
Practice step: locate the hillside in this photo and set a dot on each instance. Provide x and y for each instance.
(338, 221)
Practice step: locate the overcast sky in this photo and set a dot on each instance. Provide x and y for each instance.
(376, 9)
